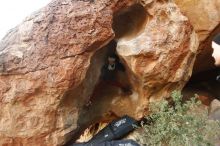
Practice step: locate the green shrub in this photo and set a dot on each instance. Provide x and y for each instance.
(182, 124)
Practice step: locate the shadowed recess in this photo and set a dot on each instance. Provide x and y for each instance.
(130, 22)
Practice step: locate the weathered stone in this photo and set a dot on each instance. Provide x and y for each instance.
(44, 65)
(51, 63)
(214, 110)
(157, 61)
(204, 16)
(214, 114)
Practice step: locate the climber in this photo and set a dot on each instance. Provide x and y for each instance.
(110, 72)
(110, 68)
(216, 52)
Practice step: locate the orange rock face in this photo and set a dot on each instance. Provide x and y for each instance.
(51, 63)
(204, 15)
(42, 61)
(159, 58)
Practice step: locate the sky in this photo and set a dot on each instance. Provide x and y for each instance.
(13, 12)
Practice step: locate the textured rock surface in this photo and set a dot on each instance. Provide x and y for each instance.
(214, 111)
(158, 62)
(42, 61)
(214, 114)
(204, 16)
(50, 64)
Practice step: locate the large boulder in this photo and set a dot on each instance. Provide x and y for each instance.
(50, 65)
(44, 65)
(204, 15)
(159, 58)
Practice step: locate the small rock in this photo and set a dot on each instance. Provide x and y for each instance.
(214, 111)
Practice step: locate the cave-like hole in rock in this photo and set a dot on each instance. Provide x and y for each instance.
(205, 85)
(113, 82)
(112, 85)
(130, 22)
